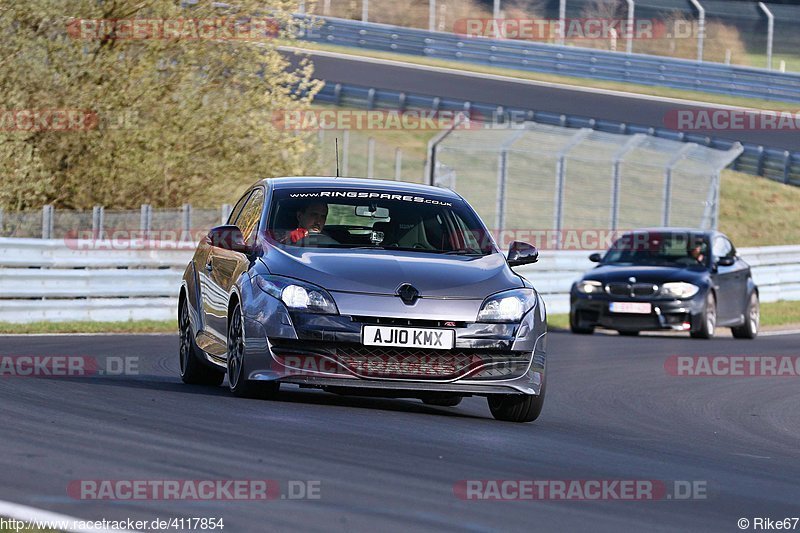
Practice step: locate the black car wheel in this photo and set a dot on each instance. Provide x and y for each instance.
(193, 371)
(708, 319)
(237, 381)
(516, 407)
(576, 328)
(443, 401)
(752, 320)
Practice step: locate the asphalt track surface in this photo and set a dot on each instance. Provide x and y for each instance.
(623, 107)
(612, 412)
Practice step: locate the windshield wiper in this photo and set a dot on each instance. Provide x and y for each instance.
(464, 252)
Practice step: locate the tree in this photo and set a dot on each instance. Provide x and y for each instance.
(123, 103)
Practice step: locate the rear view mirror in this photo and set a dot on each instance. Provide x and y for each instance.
(371, 211)
(726, 261)
(522, 253)
(595, 257)
(228, 238)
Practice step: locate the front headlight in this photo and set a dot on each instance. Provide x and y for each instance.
(679, 289)
(298, 295)
(589, 286)
(508, 306)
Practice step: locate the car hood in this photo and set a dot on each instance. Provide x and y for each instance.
(646, 274)
(383, 271)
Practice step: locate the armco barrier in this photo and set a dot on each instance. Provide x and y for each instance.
(565, 60)
(777, 165)
(100, 285)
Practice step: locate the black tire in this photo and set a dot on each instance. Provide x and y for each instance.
(193, 371)
(516, 407)
(628, 333)
(752, 320)
(443, 401)
(708, 319)
(574, 327)
(237, 382)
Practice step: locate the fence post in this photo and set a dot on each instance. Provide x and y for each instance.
(562, 15)
(770, 32)
(701, 28)
(1, 221)
(398, 164)
(364, 10)
(431, 15)
(561, 175)
(787, 166)
(674, 160)
(371, 157)
(224, 212)
(502, 179)
(433, 145)
(98, 214)
(616, 162)
(630, 27)
(186, 216)
(145, 218)
(346, 153)
(496, 10)
(47, 222)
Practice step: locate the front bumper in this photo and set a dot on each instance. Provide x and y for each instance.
(326, 351)
(593, 310)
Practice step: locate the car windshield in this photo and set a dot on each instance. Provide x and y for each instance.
(370, 219)
(682, 249)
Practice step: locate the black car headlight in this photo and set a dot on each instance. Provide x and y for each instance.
(589, 286)
(507, 306)
(298, 295)
(679, 290)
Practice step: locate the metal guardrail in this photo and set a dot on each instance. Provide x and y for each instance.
(564, 60)
(777, 165)
(87, 288)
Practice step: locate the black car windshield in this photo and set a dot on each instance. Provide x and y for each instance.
(370, 219)
(682, 249)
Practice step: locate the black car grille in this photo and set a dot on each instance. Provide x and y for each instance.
(401, 363)
(631, 289)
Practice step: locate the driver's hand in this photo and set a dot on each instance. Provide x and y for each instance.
(299, 233)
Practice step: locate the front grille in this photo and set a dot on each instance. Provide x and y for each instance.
(418, 322)
(400, 363)
(631, 289)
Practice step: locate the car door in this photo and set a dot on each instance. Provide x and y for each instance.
(740, 275)
(225, 266)
(726, 280)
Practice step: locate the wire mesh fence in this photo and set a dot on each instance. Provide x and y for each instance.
(536, 176)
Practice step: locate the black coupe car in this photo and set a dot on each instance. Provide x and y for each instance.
(667, 278)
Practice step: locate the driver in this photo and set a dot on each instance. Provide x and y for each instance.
(696, 252)
(310, 220)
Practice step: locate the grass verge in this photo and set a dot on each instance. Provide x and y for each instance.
(648, 90)
(773, 314)
(137, 326)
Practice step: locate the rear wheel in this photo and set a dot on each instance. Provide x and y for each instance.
(752, 317)
(192, 370)
(516, 407)
(575, 327)
(708, 319)
(237, 380)
(443, 401)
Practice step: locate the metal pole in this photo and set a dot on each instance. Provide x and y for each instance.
(562, 15)
(433, 145)
(47, 222)
(1, 221)
(224, 213)
(326, 8)
(346, 153)
(701, 28)
(145, 218)
(186, 212)
(97, 221)
(629, 29)
(364, 10)
(496, 10)
(301, 8)
(770, 32)
(616, 186)
(398, 164)
(561, 178)
(678, 157)
(371, 157)
(431, 15)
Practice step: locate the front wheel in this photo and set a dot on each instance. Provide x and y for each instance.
(575, 327)
(517, 407)
(749, 330)
(708, 319)
(237, 380)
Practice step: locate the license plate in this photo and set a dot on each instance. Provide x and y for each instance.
(436, 339)
(630, 307)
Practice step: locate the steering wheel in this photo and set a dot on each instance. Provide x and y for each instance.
(316, 239)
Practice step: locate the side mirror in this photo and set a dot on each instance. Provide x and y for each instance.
(595, 257)
(522, 253)
(726, 261)
(228, 238)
